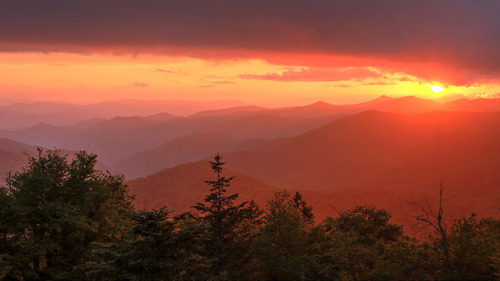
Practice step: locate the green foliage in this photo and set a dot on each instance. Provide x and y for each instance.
(219, 210)
(53, 210)
(284, 240)
(63, 220)
(160, 248)
(233, 227)
(356, 243)
(475, 249)
(301, 205)
(369, 225)
(404, 259)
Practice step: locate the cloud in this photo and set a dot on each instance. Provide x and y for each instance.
(379, 83)
(206, 86)
(453, 40)
(407, 79)
(170, 71)
(209, 79)
(340, 86)
(219, 82)
(140, 84)
(316, 75)
(222, 82)
(166, 71)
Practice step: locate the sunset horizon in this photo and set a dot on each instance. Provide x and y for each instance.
(257, 52)
(230, 103)
(351, 140)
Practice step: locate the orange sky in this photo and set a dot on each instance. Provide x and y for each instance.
(250, 51)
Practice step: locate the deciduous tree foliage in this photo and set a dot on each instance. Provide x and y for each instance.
(283, 242)
(62, 219)
(53, 210)
(357, 240)
(475, 249)
(159, 248)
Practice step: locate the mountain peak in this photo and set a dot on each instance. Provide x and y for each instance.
(320, 104)
(160, 116)
(382, 98)
(42, 125)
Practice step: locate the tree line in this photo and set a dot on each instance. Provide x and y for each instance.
(62, 219)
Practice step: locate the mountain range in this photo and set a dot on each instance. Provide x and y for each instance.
(21, 115)
(385, 159)
(385, 152)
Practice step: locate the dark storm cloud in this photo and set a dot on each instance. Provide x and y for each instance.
(458, 33)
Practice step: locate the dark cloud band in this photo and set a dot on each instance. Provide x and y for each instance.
(457, 33)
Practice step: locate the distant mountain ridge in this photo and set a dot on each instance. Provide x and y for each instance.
(369, 137)
(22, 115)
(386, 159)
(180, 150)
(119, 137)
(385, 152)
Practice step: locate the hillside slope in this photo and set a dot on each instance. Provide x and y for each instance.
(182, 186)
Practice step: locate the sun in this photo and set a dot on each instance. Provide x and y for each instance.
(435, 88)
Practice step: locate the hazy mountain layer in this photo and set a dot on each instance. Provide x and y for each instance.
(385, 159)
(143, 145)
(21, 115)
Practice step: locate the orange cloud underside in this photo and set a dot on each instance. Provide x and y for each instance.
(277, 80)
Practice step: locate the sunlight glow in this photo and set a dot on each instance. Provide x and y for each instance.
(435, 88)
(78, 78)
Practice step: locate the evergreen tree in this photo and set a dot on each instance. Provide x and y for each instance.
(300, 204)
(232, 225)
(220, 211)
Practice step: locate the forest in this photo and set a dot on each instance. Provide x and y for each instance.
(63, 219)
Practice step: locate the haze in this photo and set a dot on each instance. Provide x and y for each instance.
(378, 101)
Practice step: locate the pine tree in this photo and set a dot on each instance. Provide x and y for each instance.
(231, 224)
(220, 210)
(300, 204)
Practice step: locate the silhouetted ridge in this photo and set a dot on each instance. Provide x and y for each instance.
(382, 98)
(180, 150)
(160, 116)
(229, 111)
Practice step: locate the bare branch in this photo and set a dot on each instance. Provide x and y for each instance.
(437, 221)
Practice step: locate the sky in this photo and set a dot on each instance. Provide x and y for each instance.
(274, 53)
